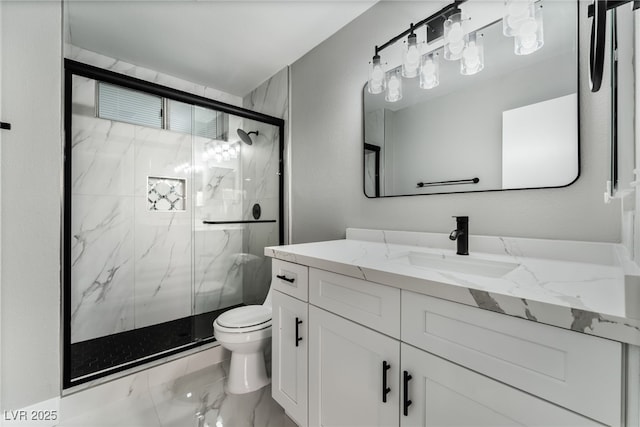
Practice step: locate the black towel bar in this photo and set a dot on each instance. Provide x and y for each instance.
(452, 182)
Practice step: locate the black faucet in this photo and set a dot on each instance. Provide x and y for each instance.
(461, 234)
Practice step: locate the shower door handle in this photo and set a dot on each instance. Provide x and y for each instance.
(298, 337)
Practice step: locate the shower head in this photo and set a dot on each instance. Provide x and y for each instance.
(246, 137)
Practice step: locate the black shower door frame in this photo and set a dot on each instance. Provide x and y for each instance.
(76, 68)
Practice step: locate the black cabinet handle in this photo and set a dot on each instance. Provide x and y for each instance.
(298, 337)
(5, 125)
(385, 388)
(407, 402)
(285, 278)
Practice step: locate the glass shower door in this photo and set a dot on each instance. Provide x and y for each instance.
(237, 195)
(169, 203)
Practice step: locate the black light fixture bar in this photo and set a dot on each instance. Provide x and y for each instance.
(435, 31)
(612, 4)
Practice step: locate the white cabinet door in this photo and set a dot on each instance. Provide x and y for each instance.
(555, 364)
(289, 358)
(445, 394)
(347, 373)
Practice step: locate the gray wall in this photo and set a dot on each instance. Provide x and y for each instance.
(31, 178)
(327, 165)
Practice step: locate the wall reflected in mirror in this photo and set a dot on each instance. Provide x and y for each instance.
(514, 125)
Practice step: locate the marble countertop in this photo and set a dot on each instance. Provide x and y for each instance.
(593, 288)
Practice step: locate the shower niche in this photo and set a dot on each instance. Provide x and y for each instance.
(159, 229)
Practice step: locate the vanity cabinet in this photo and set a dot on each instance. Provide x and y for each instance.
(289, 340)
(445, 394)
(357, 377)
(349, 366)
(554, 364)
(435, 362)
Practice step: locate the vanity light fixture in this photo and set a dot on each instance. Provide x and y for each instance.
(530, 36)
(411, 56)
(454, 33)
(377, 81)
(522, 20)
(394, 86)
(516, 12)
(430, 70)
(412, 60)
(220, 151)
(472, 60)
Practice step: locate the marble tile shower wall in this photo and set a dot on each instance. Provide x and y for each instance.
(261, 167)
(218, 266)
(132, 267)
(109, 299)
(122, 67)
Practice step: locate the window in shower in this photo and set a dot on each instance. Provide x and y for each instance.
(160, 235)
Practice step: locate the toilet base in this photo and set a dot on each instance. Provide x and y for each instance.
(247, 373)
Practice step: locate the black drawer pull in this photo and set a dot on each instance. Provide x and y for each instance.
(385, 388)
(5, 125)
(407, 402)
(285, 278)
(298, 337)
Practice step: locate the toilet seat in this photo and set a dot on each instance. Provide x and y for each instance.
(244, 319)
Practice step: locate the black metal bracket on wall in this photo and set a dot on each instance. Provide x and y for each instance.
(5, 125)
(612, 4)
(598, 11)
(433, 31)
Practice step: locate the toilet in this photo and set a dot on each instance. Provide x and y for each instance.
(245, 332)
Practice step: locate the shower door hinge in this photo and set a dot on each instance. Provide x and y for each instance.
(5, 125)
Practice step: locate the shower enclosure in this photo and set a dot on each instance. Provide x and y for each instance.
(170, 199)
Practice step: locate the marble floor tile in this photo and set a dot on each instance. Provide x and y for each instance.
(197, 399)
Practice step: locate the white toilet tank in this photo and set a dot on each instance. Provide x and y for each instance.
(267, 300)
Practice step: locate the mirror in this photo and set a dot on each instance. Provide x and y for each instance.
(514, 125)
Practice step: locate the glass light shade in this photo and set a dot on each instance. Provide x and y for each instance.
(377, 81)
(453, 37)
(472, 60)
(394, 86)
(530, 36)
(516, 12)
(411, 57)
(430, 71)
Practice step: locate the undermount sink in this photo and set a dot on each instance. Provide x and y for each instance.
(459, 264)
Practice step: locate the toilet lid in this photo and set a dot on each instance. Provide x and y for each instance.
(244, 317)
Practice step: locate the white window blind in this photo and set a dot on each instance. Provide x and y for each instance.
(180, 116)
(199, 121)
(131, 106)
(126, 105)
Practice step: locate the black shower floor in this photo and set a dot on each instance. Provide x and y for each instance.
(99, 354)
